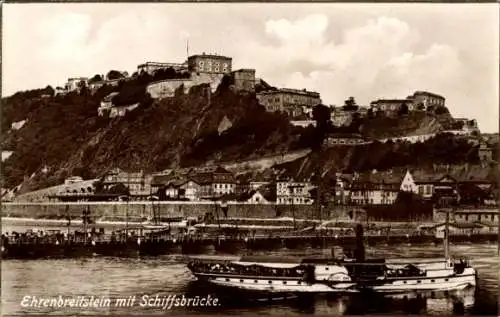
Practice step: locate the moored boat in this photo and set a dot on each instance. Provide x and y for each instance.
(332, 275)
(327, 275)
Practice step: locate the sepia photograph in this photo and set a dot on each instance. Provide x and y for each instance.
(279, 159)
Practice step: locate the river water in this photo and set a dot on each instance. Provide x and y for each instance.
(116, 278)
(128, 278)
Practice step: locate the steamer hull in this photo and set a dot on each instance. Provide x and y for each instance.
(349, 277)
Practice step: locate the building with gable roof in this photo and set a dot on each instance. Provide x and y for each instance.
(378, 188)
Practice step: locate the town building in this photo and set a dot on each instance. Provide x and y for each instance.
(95, 85)
(341, 189)
(106, 104)
(485, 152)
(466, 187)
(81, 189)
(254, 185)
(75, 84)
(291, 192)
(120, 111)
(263, 195)
(113, 111)
(72, 180)
(303, 123)
(209, 63)
(152, 67)
(138, 183)
(377, 188)
(345, 139)
(485, 214)
(214, 182)
(244, 79)
(391, 107)
(175, 188)
(60, 91)
(420, 100)
(414, 138)
(289, 101)
(341, 117)
(423, 100)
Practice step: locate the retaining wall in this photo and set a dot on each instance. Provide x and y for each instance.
(139, 210)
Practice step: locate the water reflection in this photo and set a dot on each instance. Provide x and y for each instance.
(430, 303)
(168, 275)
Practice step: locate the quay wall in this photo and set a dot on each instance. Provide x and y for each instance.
(140, 211)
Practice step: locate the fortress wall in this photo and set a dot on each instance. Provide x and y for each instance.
(142, 210)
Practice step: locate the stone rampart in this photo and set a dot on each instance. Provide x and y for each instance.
(141, 211)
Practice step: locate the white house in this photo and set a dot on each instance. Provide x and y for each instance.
(408, 183)
(377, 188)
(257, 198)
(293, 192)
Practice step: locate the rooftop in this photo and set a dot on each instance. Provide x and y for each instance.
(209, 55)
(420, 92)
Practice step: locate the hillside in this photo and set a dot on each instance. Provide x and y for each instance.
(442, 150)
(415, 123)
(64, 134)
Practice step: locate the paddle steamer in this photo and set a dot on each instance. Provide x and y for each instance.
(288, 275)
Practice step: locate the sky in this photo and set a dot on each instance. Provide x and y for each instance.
(368, 51)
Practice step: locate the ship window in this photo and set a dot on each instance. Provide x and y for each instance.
(227, 280)
(404, 282)
(241, 281)
(284, 282)
(446, 280)
(432, 281)
(419, 282)
(255, 281)
(270, 282)
(299, 282)
(326, 268)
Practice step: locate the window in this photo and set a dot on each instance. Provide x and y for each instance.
(227, 280)
(241, 281)
(270, 282)
(284, 282)
(217, 69)
(432, 281)
(255, 281)
(419, 281)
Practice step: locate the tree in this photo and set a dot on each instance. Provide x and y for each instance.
(441, 110)
(350, 104)
(96, 78)
(322, 115)
(49, 91)
(370, 113)
(403, 111)
(114, 74)
(119, 189)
